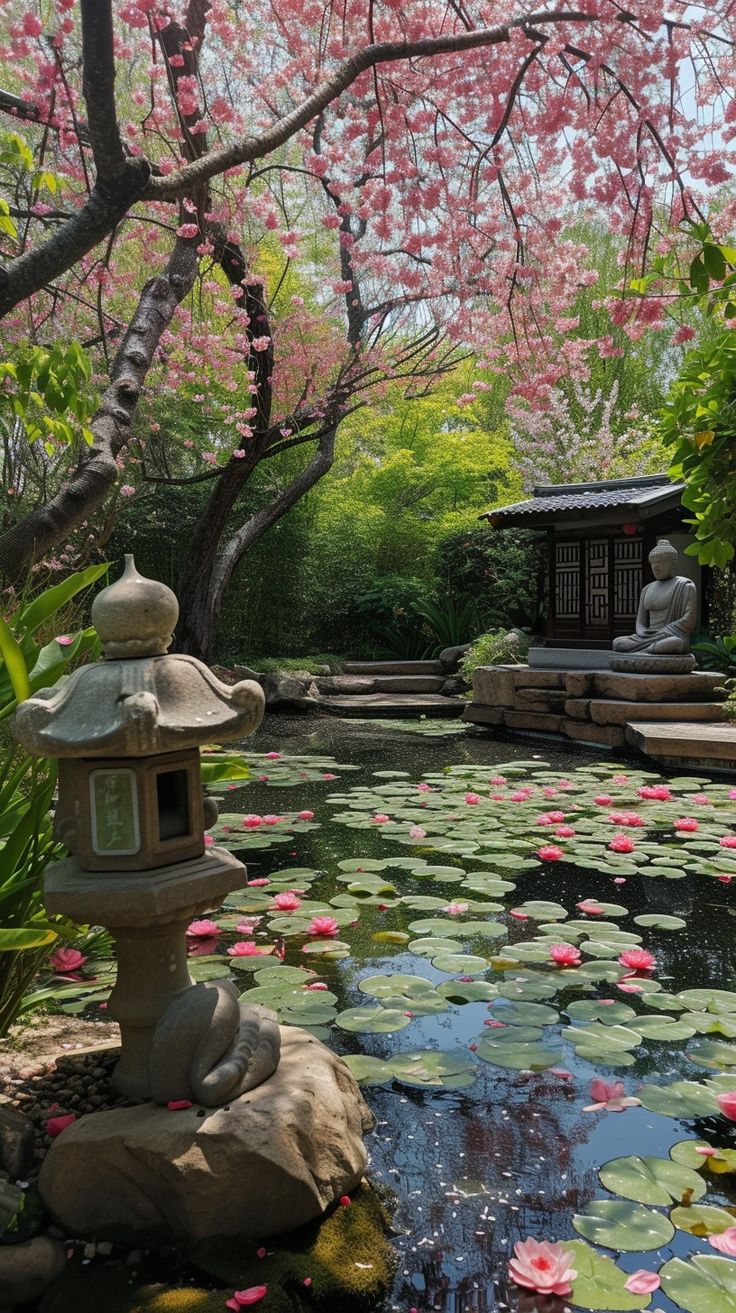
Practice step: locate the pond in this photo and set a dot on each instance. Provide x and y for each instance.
(489, 928)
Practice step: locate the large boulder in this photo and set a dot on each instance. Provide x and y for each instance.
(268, 1162)
(290, 688)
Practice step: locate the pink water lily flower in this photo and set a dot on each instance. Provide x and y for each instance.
(65, 960)
(655, 792)
(725, 1243)
(544, 1266)
(727, 1104)
(202, 929)
(323, 925)
(687, 824)
(246, 948)
(565, 955)
(287, 901)
(621, 843)
(638, 959)
(456, 909)
(550, 852)
(244, 1298)
(609, 1096)
(642, 1282)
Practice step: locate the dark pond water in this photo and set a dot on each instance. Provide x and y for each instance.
(511, 1154)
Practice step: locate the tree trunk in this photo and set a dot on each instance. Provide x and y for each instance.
(206, 574)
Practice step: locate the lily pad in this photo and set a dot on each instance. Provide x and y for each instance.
(599, 1283)
(705, 1284)
(617, 1224)
(651, 1180)
(372, 1021)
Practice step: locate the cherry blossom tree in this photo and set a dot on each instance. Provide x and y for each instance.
(307, 200)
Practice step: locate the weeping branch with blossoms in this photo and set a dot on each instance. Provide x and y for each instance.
(416, 163)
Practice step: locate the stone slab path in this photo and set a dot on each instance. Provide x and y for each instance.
(681, 743)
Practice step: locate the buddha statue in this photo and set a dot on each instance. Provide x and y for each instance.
(668, 609)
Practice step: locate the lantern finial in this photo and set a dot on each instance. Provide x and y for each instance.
(135, 616)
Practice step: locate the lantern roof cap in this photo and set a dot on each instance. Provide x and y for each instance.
(139, 701)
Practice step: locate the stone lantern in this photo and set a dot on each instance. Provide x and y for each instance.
(127, 731)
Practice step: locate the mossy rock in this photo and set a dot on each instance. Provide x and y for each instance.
(346, 1256)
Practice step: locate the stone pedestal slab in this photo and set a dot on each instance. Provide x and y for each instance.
(269, 1162)
(657, 688)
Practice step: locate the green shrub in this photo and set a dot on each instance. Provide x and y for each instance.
(504, 570)
(499, 647)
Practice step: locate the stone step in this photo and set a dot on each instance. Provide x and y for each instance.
(347, 685)
(680, 743)
(381, 705)
(393, 668)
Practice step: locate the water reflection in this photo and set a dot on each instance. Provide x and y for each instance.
(513, 1155)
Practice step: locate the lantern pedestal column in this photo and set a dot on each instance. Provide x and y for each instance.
(148, 914)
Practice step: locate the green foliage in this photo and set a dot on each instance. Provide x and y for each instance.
(504, 570)
(499, 647)
(47, 391)
(699, 425)
(27, 845)
(715, 653)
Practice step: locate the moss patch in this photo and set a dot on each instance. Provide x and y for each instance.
(346, 1257)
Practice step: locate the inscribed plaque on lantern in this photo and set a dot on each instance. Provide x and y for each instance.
(114, 804)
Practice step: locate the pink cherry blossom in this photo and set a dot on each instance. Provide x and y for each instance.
(621, 843)
(565, 955)
(687, 824)
(609, 1096)
(246, 948)
(544, 1266)
(590, 906)
(727, 1104)
(64, 960)
(287, 901)
(725, 1243)
(550, 853)
(55, 1125)
(323, 926)
(244, 1298)
(638, 959)
(642, 1282)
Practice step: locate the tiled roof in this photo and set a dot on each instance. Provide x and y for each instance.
(642, 497)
